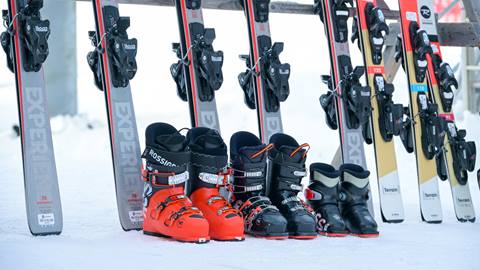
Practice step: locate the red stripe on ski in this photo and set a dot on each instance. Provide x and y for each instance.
(335, 72)
(19, 69)
(101, 29)
(257, 69)
(447, 116)
(376, 70)
(190, 58)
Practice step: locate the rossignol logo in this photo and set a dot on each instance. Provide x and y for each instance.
(160, 159)
(129, 46)
(430, 195)
(425, 12)
(41, 28)
(126, 143)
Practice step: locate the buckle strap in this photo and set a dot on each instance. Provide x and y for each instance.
(181, 212)
(286, 184)
(290, 199)
(255, 212)
(165, 178)
(294, 171)
(244, 189)
(208, 162)
(219, 179)
(257, 172)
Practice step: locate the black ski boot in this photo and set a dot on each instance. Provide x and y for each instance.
(248, 158)
(287, 168)
(354, 188)
(322, 196)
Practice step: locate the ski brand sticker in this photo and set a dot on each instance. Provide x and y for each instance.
(419, 88)
(411, 16)
(426, 12)
(47, 219)
(136, 216)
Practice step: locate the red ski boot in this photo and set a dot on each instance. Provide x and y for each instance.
(209, 173)
(167, 210)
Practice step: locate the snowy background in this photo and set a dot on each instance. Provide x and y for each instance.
(92, 237)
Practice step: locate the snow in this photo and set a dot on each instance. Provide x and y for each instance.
(92, 237)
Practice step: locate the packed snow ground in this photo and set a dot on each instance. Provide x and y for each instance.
(92, 237)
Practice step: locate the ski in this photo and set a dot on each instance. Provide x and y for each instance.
(458, 154)
(113, 65)
(265, 82)
(370, 29)
(198, 72)
(347, 104)
(25, 42)
(425, 128)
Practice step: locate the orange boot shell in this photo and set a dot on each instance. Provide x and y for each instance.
(226, 223)
(170, 213)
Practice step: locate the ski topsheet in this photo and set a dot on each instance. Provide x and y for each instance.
(198, 73)
(386, 116)
(265, 83)
(25, 42)
(343, 82)
(457, 175)
(113, 64)
(415, 46)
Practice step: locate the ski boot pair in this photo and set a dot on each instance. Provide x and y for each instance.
(197, 162)
(339, 198)
(281, 215)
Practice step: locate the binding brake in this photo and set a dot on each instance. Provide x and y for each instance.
(121, 50)
(209, 64)
(33, 33)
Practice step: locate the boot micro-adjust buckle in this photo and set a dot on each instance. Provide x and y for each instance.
(244, 189)
(249, 174)
(169, 200)
(181, 212)
(165, 178)
(220, 179)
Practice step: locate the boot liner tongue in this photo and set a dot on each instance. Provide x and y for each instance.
(210, 143)
(171, 142)
(288, 150)
(248, 151)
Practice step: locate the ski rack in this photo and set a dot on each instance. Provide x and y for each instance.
(466, 34)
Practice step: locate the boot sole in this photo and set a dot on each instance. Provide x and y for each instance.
(229, 239)
(201, 240)
(282, 236)
(366, 235)
(338, 235)
(303, 237)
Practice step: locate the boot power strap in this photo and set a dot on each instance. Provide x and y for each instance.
(166, 159)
